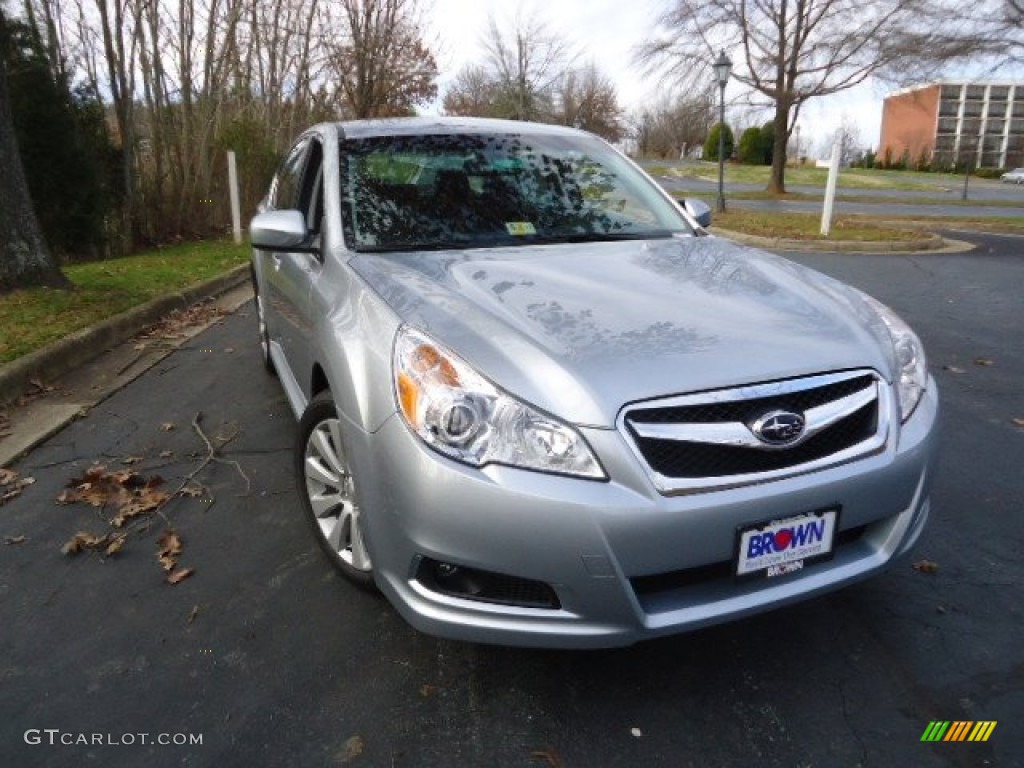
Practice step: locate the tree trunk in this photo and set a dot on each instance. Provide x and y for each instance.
(24, 258)
(777, 181)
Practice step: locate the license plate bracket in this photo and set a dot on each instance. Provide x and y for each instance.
(785, 545)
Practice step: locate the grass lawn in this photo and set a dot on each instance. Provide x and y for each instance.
(854, 178)
(807, 226)
(35, 317)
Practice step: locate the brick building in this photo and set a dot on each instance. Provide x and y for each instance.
(955, 121)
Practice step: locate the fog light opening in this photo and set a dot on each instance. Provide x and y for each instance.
(485, 586)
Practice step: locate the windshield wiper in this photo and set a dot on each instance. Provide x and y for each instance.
(412, 247)
(599, 237)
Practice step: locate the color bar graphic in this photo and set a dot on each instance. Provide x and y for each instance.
(958, 730)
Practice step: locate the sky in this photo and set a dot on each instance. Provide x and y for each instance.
(606, 31)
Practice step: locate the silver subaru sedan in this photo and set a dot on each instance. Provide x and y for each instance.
(540, 405)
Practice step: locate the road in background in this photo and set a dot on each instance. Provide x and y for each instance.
(274, 660)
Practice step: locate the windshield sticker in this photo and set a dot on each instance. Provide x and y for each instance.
(520, 228)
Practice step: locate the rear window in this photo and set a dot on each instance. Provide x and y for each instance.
(477, 190)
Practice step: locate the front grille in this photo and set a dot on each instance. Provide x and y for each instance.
(749, 409)
(697, 442)
(693, 460)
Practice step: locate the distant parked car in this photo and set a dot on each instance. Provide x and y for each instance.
(1016, 176)
(540, 405)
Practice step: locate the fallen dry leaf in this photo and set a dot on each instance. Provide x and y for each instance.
(179, 322)
(192, 491)
(116, 545)
(1019, 422)
(128, 492)
(40, 386)
(953, 369)
(180, 575)
(81, 541)
(143, 502)
(166, 454)
(426, 691)
(168, 548)
(168, 426)
(983, 361)
(37, 389)
(926, 566)
(11, 485)
(548, 756)
(353, 748)
(9, 540)
(129, 460)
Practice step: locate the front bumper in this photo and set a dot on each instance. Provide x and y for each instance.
(626, 562)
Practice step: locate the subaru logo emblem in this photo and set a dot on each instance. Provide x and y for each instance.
(779, 428)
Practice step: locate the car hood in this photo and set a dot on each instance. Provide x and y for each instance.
(580, 330)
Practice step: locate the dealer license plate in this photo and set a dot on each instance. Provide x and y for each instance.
(785, 546)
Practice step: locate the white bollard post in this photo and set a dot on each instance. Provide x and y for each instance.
(830, 191)
(236, 214)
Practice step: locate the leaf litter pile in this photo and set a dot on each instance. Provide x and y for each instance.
(128, 502)
(11, 485)
(181, 323)
(128, 496)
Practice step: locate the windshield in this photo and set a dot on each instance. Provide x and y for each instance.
(474, 190)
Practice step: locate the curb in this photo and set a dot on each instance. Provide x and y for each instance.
(57, 359)
(933, 243)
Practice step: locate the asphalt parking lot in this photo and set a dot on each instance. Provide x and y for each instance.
(271, 659)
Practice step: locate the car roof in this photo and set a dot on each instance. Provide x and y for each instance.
(434, 125)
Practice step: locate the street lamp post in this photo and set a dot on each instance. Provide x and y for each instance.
(723, 66)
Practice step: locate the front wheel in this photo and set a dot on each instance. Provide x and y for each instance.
(328, 491)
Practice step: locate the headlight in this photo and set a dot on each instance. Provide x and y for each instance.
(908, 358)
(459, 413)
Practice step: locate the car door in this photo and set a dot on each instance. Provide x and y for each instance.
(288, 276)
(300, 270)
(284, 193)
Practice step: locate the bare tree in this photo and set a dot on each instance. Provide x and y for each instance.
(24, 258)
(586, 98)
(847, 135)
(187, 79)
(676, 123)
(473, 93)
(385, 66)
(527, 61)
(789, 51)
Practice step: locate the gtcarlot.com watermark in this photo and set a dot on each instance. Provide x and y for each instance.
(56, 737)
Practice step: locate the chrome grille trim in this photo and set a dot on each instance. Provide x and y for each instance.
(738, 433)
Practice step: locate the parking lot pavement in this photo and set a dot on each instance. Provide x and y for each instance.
(270, 659)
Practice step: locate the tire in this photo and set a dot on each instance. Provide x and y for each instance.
(328, 491)
(261, 323)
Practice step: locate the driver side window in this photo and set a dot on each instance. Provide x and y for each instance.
(289, 178)
(311, 196)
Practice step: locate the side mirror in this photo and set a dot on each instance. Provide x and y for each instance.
(699, 210)
(278, 230)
